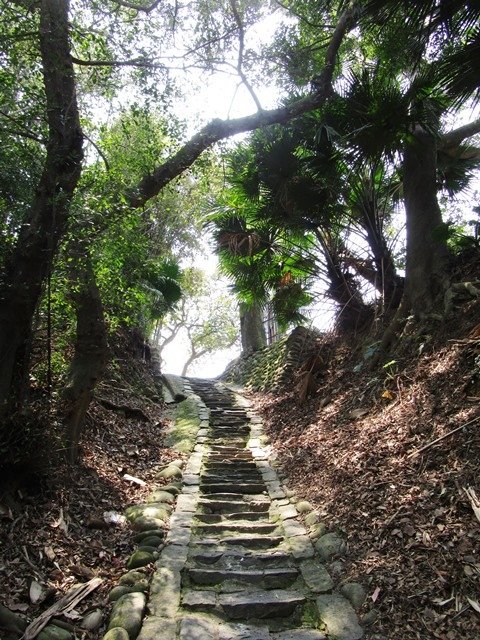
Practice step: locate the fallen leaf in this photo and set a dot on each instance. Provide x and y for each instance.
(375, 594)
(60, 523)
(358, 413)
(388, 395)
(18, 606)
(474, 604)
(50, 553)
(37, 592)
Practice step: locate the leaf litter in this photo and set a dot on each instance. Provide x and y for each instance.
(410, 520)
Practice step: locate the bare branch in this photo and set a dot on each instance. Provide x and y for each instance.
(98, 150)
(137, 7)
(135, 62)
(241, 49)
(23, 130)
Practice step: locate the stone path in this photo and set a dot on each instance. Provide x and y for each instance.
(237, 563)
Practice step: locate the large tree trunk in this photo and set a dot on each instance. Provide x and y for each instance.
(31, 261)
(91, 352)
(426, 254)
(252, 329)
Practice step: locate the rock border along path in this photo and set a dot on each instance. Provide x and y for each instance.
(237, 563)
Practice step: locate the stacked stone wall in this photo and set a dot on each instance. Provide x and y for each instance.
(275, 366)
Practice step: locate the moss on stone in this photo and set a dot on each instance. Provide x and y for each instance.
(186, 424)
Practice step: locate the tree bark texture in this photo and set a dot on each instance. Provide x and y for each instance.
(91, 351)
(252, 329)
(31, 261)
(426, 255)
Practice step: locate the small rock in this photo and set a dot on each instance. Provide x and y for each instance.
(172, 488)
(121, 590)
(355, 592)
(146, 523)
(154, 510)
(9, 621)
(52, 632)
(311, 518)
(128, 613)
(91, 620)
(336, 568)
(303, 506)
(151, 541)
(117, 633)
(148, 548)
(140, 559)
(317, 530)
(369, 618)
(159, 533)
(339, 617)
(316, 576)
(161, 496)
(330, 545)
(170, 472)
(132, 577)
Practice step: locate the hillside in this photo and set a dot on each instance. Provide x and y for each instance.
(353, 449)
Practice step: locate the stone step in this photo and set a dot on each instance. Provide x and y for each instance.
(255, 497)
(234, 506)
(229, 477)
(232, 471)
(249, 541)
(222, 451)
(239, 456)
(252, 516)
(248, 488)
(218, 528)
(235, 558)
(228, 464)
(275, 603)
(266, 578)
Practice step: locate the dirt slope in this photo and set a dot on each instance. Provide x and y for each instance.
(350, 449)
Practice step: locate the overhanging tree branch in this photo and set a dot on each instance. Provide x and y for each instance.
(456, 136)
(218, 129)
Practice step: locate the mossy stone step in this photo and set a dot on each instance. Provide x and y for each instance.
(248, 541)
(235, 558)
(266, 579)
(276, 603)
(234, 497)
(249, 488)
(234, 527)
(231, 507)
(213, 465)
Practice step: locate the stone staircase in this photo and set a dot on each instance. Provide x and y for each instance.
(238, 564)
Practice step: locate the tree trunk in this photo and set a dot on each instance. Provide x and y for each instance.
(252, 329)
(353, 313)
(31, 261)
(426, 255)
(91, 351)
(387, 281)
